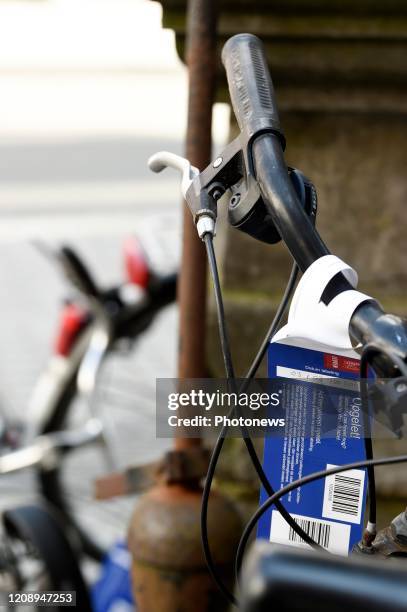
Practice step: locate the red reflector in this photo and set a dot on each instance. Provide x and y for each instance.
(135, 262)
(71, 322)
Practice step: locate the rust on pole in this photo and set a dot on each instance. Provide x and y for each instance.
(201, 62)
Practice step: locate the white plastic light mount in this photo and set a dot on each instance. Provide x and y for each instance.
(312, 319)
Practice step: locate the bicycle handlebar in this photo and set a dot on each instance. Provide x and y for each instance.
(250, 86)
(288, 579)
(306, 246)
(253, 101)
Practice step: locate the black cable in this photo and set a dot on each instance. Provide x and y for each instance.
(364, 368)
(208, 240)
(223, 332)
(252, 371)
(249, 445)
(368, 351)
(369, 463)
(299, 483)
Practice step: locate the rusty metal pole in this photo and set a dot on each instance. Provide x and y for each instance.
(168, 571)
(201, 62)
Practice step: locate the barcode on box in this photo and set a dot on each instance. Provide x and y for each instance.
(343, 495)
(334, 537)
(318, 531)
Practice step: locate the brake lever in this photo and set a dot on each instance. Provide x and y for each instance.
(202, 203)
(164, 159)
(233, 171)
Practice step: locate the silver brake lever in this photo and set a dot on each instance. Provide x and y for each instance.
(204, 219)
(164, 159)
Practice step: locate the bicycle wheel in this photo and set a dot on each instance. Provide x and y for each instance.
(44, 556)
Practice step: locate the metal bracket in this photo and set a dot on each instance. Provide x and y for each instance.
(232, 171)
(393, 539)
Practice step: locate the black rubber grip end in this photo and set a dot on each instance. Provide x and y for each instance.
(250, 86)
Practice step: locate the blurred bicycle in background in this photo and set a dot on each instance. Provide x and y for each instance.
(70, 421)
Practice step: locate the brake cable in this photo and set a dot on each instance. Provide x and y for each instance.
(369, 463)
(208, 240)
(299, 483)
(201, 193)
(372, 518)
(274, 498)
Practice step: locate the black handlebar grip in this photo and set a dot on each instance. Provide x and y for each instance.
(250, 86)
